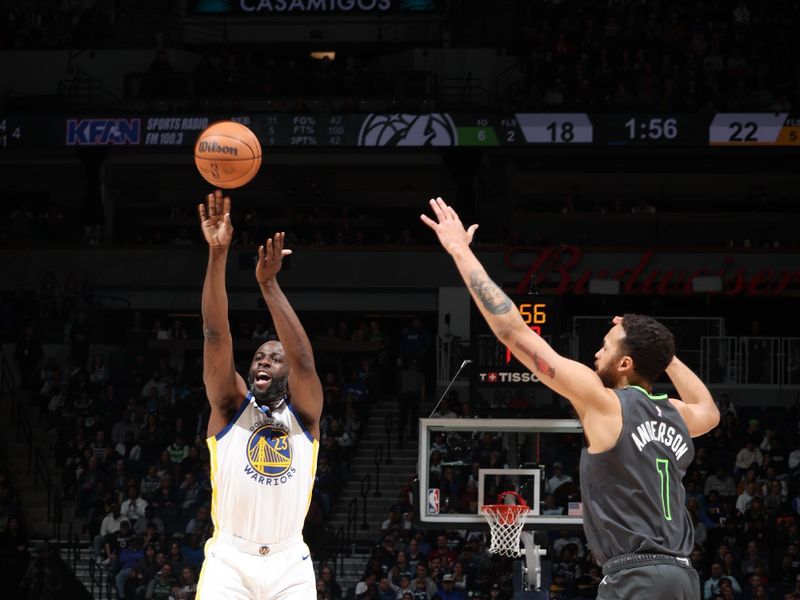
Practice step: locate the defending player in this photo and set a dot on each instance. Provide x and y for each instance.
(262, 435)
(639, 444)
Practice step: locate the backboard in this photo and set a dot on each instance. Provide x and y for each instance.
(465, 463)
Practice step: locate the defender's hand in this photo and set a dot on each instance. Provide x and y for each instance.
(215, 221)
(449, 230)
(270, 258)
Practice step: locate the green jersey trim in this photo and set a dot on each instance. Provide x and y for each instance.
(648, 394)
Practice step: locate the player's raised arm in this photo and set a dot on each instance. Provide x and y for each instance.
(304, 384)
(224, 387)
(576, 382)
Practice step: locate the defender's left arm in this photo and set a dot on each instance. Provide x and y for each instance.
(696, 405)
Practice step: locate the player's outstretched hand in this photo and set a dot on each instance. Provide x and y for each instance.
(448, 226)
(270, 258)
(215, 220)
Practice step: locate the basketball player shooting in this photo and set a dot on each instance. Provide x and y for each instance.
(262, 434)
(638, 444)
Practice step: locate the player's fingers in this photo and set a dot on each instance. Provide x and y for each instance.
(428, 221)
(218, 202)
(226, 205)
(471, 231)
(443, 207)
(212, 205)
(260, 253)
(201, 211)
(269, 248)
(437, 210)
(285, 252)
(453, 214)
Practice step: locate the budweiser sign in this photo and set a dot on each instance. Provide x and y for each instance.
(568, 270)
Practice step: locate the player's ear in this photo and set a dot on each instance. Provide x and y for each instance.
(625, 363)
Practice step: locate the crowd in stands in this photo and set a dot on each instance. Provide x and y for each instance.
(309, 226)
(612, 55)
(14, 553)
(570, 220)
(658, 56)
(752, 221)
(37, 25)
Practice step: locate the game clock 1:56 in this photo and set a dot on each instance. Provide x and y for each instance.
(653, 130)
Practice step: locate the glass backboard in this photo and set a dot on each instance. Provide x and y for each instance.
(465, 463)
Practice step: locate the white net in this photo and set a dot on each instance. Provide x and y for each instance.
(505, 523)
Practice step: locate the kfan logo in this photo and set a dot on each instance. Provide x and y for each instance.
(103, 132)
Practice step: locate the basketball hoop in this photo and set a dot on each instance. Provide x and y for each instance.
(505, 524)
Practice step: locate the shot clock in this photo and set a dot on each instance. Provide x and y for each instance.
(496, 363)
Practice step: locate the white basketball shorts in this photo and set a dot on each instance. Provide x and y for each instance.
(238, 569)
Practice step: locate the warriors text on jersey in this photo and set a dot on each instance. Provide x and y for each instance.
(263, 465)
(633, 495)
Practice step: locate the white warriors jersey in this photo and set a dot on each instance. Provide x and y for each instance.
(263, 465)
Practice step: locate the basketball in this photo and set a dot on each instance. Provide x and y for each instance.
(227, 154)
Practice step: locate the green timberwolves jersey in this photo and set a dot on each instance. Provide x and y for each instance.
(263, 465)
(633, 495)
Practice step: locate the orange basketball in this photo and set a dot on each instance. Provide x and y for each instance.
(227, 154)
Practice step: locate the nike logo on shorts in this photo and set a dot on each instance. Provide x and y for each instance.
(306, 556)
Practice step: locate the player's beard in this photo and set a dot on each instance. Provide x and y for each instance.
(273, 395)
(608, 376)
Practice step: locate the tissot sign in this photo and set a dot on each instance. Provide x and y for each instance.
(568, 269)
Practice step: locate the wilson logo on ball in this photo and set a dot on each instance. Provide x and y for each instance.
(217, 147)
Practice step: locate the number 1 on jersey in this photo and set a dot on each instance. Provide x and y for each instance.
(662, 466)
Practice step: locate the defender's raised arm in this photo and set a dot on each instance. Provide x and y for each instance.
(576, 382)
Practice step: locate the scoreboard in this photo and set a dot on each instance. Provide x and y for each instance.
(390, 130)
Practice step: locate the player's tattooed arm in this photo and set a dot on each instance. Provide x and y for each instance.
(541, 364)
(493, 298)
(576, 382)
